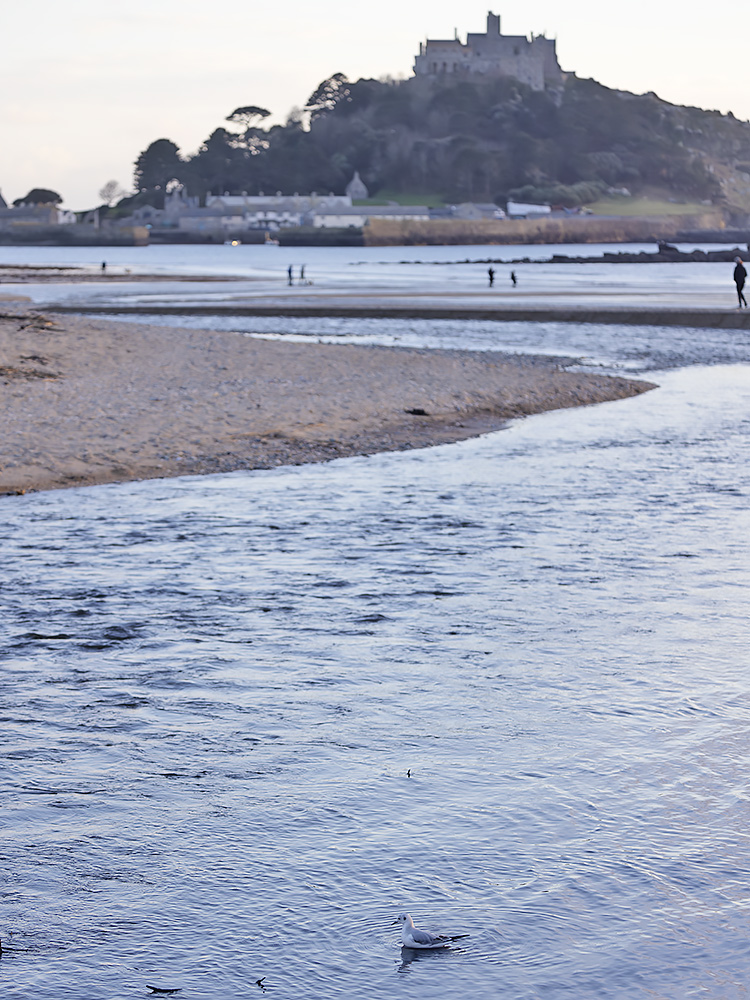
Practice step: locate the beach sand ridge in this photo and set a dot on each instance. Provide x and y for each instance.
(88, 401)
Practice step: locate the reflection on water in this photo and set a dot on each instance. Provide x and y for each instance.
(249, 718)
(410, 955)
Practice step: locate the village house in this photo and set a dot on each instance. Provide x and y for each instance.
(272, 212)
(519, 210)
(23, 215)
(227, 215)
(358, 217)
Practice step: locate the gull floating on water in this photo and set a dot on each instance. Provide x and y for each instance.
(413, 937)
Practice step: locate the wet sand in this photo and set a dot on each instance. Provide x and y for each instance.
(643, 295)
(549, 307)
(65, 274)
(88, 401)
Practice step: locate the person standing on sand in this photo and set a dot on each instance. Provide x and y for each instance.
(740, 276)
(290, 274)
(491, 275)
(513, 278)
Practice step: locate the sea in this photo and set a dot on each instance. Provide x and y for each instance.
(501, 685)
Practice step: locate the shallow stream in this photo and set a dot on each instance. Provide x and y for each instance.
(503, 685)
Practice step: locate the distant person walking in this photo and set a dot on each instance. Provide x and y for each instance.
(104, 266)
(513, 278)
(290, 274)
(302, 274)
(740, 276)
(491, 276)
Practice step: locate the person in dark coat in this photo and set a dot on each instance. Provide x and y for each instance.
(740, 276)
(491, 276)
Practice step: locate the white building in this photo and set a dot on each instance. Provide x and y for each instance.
(518, 210)
(343, 218)
(277, 211)
(227, 215)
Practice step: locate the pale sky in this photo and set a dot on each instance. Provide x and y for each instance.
(87, 86)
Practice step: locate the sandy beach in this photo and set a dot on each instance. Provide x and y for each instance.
(88, 401)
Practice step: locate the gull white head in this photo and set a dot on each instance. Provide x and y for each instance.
(408, 930)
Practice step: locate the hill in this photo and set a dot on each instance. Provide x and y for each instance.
(472, 140)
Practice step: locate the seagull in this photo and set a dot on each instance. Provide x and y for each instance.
(412, 937)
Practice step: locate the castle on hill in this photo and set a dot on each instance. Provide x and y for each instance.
(532, 61)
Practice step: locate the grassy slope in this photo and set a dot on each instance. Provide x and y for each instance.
(645, 207)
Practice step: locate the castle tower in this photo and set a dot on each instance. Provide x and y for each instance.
(531, 61)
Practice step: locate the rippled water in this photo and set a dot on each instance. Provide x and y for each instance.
(502, 684)
(616, 348)
(213, 693)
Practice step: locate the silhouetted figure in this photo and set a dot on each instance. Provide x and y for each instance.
(491, 275)
(513, 278)
(104, 266)
(302, 274)
(740, 276)
(290, 274)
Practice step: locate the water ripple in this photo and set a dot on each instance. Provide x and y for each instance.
(247, 719)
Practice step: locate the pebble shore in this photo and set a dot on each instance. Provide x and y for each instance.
(88, 401)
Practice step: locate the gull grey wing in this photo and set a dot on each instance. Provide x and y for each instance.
(423, 937)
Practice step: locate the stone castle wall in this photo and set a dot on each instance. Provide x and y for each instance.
(532, 61)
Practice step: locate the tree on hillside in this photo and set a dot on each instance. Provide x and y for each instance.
(248, 117)
(111, 192)
(157, 165)
(293, 162)
(295, 118)
(39, 196)
(462, 139)
(251, 138)
(218, 166)
(328, 95)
